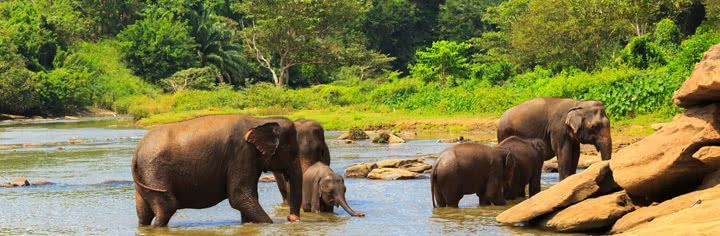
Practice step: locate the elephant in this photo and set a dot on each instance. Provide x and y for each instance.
(323, 189)
(311, 149)
(201, 162)
(471, 168)
(528, 155)
(563, 124)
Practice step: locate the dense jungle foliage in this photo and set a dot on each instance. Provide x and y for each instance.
(453, 56)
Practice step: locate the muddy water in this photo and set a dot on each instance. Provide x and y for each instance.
(93, 194)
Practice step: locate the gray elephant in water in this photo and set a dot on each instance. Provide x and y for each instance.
(563, 124)
(528, 155)
(323, 189)
(471, 168)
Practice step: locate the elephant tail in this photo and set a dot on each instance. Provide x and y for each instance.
(433, 179)
(138, 181)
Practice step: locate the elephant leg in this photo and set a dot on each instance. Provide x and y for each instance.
(567, 159)
(482, 200)
(454, 201)
(282, 184)
(164, 207)
(324, 207)
(247, 203)
(534, 185)
(144, 211)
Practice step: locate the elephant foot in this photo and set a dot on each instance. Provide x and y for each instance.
(357, 214)
(293, 218)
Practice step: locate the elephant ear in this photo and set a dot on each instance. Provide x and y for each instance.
(265, 138)
(574, 119)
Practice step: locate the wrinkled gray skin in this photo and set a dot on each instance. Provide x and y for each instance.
(563, 124)
(311, 149)
(201, 162)
(471, 168)
(529, 154)
(323, 189)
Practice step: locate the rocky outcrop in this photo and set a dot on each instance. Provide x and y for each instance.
(414, 165)
(661, 165)
(710, 181)
(393, 174)
(703, 86)
(354, 134)
(584, 162)
(596, 180)
(648, 214)
(359, 170)
(22, 182)
(591, 214)
(388, 138)
(701, 218)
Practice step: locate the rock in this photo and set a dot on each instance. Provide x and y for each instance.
(418, 167)
(594, 181)
(661, 165)
(11, 117)
(393, 174)
(711, 180)
(703, 85)
(591, 214)
(42, 183)
(701, 218)
(584, 162)
(460, 139)
(348, 141)
(657, 126)
(387, 138)
(359, 170)
(354, 134)
(709, 155)
(18, 182)
(267, 179)
(650, 214)
(71, 118)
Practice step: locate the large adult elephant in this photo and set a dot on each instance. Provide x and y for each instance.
(312, 148)
(201, 162)
(563, 124)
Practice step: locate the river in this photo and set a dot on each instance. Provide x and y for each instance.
(93, 193)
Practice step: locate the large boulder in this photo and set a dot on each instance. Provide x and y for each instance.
(359, 170)
(661, 165)
(393, 174)
(18, 182)
(703, 86)
(709, 155)
(649, 214)
(354, 134)
(591, 214)
(702, 219)
(388, 138)
(594, 181)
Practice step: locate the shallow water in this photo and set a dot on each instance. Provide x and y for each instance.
(83, 201)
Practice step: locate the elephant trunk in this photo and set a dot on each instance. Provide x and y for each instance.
(294, 176)
(604, 144)
(340, 199)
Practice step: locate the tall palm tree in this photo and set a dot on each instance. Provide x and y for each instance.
(217, 46)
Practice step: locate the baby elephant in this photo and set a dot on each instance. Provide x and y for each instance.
(323, 189)
(529, 155)
(471, 168)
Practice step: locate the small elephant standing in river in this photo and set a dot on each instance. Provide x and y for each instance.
(323, 189)
(311, 149)
(471, 168)
(529, 154)
(563, 124)
(201, 162)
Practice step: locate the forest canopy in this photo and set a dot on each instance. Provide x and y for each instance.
(62, 56)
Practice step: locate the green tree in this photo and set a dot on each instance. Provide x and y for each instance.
(217, 45)
(109, 17)
(158, 46)
(642, 53)
(667, 34)
(567, 32)
(389, 28)
(460, 20)
(444, 61)
(284, 34)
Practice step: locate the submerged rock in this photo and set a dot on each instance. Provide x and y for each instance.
(18, 182)
(267, 179)
(387, 138)
(393, 174)
(596, 180)
(591, 214)
(354, 134)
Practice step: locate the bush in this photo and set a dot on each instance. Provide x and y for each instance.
(667, 34)
(444, 62)
(157, 46)
(194, 78)
(642, 53)
(17, 91)
(63, 90)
